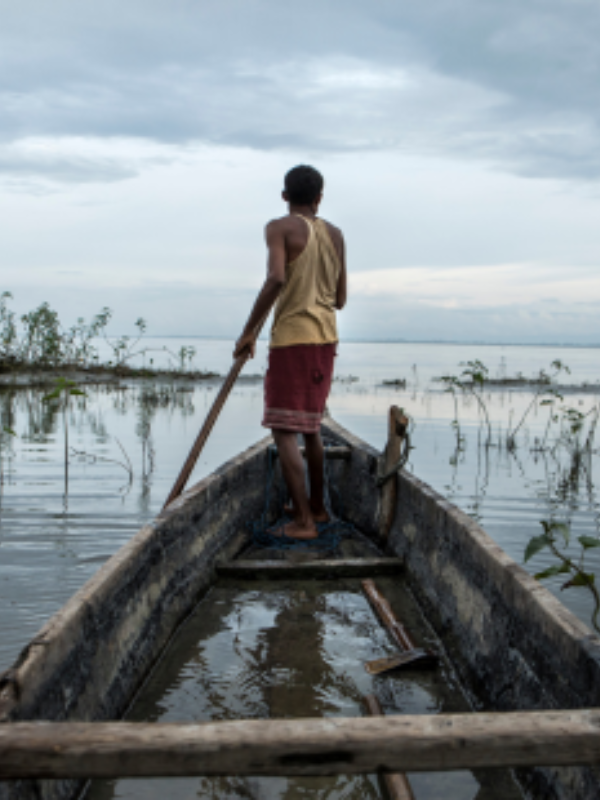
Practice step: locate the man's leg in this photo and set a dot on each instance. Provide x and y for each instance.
(292, 465)
(314, 457)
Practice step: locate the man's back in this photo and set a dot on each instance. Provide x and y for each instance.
(295, 234)
(305, 312)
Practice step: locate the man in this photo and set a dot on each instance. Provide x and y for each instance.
(306, 275)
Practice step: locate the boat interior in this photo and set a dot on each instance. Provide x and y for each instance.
(401, 609)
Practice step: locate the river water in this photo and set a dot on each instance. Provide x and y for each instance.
(129, 440)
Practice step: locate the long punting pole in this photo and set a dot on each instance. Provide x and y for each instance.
(330, 746)
(212, 417)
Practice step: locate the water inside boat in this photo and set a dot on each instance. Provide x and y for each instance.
(289, 649)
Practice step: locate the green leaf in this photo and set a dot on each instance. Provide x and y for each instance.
(562, 528)
(536, 544)
(546, 402)
(52, 396)
(77, 392)
(588, 541)
(581, 579)
(8, 430)
(555, 569)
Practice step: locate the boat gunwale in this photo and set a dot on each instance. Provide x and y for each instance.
(497, 560)
(36, 660)
(513, 644)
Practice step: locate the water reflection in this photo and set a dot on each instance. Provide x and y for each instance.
(129, 441)
(268, 652)
(126, 445)
(548, 474)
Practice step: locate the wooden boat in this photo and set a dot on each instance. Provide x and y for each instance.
(515, 648)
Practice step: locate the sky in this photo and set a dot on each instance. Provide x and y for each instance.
(143, 147)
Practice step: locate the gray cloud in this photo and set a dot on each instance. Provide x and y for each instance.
(21, 169)
(515, 86)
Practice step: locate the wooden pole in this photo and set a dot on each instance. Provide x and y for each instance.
(411, 655)
(325, 746)
(384, 611)
(396, 783)
(212, 417)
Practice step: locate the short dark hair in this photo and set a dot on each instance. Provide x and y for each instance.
(303, 185)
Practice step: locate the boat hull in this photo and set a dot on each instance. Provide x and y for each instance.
(514, 646)
(88, 661)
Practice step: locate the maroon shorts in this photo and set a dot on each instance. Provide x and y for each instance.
(297, 386)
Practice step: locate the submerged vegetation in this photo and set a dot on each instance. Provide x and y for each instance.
(51, 416)
(39, 342)
(566, 443)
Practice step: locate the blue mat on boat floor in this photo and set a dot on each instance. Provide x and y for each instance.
(330, 533)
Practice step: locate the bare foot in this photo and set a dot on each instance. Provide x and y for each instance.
(295, 530)
(318, 516)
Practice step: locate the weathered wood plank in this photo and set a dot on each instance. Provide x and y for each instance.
(397, 432)
(300, 747)
(306, 570)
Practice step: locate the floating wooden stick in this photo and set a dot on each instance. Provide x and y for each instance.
(330, 746)
(411, 655)
(396, 783)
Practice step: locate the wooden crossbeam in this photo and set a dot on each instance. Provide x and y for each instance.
(306, 570)
(328, 746)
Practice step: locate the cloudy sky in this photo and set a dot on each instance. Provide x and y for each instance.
(143, 144)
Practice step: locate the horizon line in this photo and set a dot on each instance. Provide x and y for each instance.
(353, 340)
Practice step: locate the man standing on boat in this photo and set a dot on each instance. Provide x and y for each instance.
(306, 277)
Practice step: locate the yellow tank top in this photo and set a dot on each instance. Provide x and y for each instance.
(305, 309)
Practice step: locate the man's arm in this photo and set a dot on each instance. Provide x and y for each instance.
(271, 288)
(342, 285)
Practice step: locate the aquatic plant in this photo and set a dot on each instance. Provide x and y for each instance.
(550, 396)
(42, 341)
(5, 431)
(471, 381)
(186, 356)
(38, 340)
(63, 391)
(570, 421)
(566, 447)
(557, 535)
(123, 348)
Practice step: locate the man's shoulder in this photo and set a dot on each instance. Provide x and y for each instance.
(280, 223)
(331, 226)
(335, 233)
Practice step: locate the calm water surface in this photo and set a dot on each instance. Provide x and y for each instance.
(267, 652)
(53, 537)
